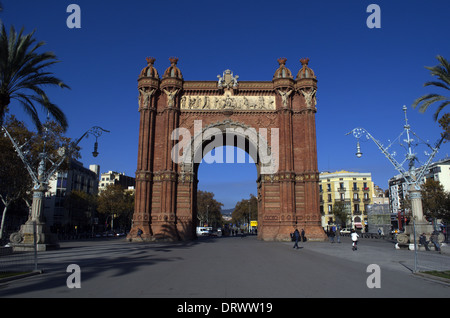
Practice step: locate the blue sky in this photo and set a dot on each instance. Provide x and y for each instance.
(365, 75)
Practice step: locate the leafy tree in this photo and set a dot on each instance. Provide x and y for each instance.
(124, 218)
(15, 180)
(241, 211)
(208, 209)
(435, 201)
(115, 202)
(23, 73)
(81, 206)
(340, 212)
(444, 122)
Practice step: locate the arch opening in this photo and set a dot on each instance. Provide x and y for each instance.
(230, 155)
(229, 182)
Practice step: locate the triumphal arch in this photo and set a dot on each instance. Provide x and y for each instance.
(181, 120)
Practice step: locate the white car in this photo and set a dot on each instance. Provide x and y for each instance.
(203, 231)
(346, 231)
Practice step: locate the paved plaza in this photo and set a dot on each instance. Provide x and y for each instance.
(230, 267)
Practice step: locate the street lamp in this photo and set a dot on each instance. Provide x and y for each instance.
(412, 176)
(358, 150)
(23, 239)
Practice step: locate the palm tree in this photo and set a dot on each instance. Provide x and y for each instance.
(23, 74)
(442, 72)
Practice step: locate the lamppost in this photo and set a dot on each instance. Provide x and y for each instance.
(35, 227)
(412, 176)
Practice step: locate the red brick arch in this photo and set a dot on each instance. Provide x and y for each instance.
(273, 120)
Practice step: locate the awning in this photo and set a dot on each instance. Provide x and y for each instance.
(358, 225)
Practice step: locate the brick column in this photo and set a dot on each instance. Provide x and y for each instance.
(148, 86)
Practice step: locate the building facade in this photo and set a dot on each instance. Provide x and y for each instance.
(62, 183)
(438, 171)
(354, 189)
(116, 178)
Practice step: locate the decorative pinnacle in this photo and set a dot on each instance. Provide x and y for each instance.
(173, 60)
(304, 61)
(150, 60)
(282, 60)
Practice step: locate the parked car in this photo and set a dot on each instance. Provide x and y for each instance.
(204, 231)
(346, 231)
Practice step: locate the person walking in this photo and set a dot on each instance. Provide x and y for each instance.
(332, 234)
(338, 234)
(303, 236)
(354, 236)
(435, 240)
(423, 241)
(296, 238)
(139, 233)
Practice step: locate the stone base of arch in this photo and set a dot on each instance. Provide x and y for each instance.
(276, 217)
(271, 232)
(185, 231)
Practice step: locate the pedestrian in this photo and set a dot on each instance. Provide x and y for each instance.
(332, 234)
(354, 236)
(303, 236)
(423, 241)
(139, 234)
(296, 238)
(338, 235)
(435, 240)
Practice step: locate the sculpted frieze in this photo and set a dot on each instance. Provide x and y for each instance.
(200, 102)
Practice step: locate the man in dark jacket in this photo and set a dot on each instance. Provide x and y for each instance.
(423, 241)
(296, 238)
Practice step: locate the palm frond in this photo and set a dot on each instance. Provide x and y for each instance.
(440, 108)
(442, 72)
(29, 108)
(437, 84)
(24, 73)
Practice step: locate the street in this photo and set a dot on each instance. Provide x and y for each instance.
(230, 267)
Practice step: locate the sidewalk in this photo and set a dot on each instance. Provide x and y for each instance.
(384, 253)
